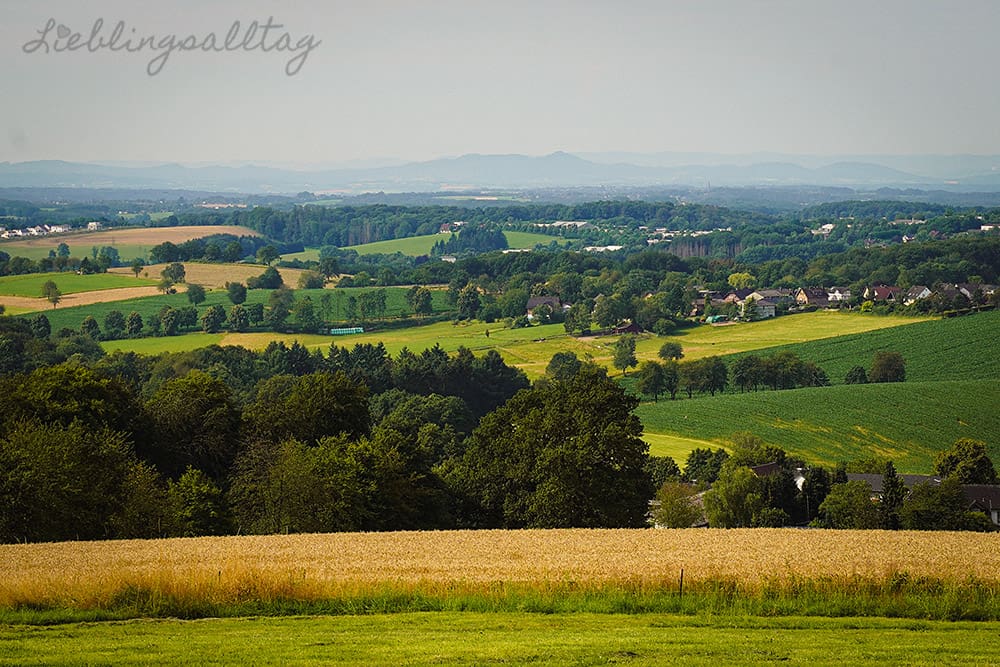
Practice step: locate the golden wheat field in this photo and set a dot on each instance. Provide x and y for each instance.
(313, 566)
(134, 236)
(213, 276)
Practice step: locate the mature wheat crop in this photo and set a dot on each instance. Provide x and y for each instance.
(313, 567)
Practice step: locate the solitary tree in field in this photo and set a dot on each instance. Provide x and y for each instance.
(671, 350)
(625, 354)
(195, 293)
(267, 254)
(174, 272)
(888, 367)
(237, 292)
(51, 292)
(136, 266)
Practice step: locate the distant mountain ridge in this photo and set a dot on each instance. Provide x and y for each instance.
(559, 169)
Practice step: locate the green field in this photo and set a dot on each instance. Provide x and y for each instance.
(959, 348)
(907, 422)
(30, 285)
(952, 391)
(415, 246)
(71, 318)
(126, 251)
(704, 341)
(532, 348)
(508, 638)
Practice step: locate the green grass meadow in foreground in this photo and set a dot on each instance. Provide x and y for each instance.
(514, 638)
(68, 282)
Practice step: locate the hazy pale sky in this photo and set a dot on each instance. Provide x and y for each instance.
(418, 80)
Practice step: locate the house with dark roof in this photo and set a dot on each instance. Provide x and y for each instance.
(915, 293)
(984, 498)
(875, 481)
(738, 296)
(882, 293)
(552, 302)
(812, 296)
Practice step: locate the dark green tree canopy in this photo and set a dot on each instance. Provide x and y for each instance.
(308, 408)
(195, 424)
(547, 458)
(887, 366)
(968, 461)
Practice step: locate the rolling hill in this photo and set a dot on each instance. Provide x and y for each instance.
(952, 391)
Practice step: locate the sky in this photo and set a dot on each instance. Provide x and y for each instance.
(420, 80)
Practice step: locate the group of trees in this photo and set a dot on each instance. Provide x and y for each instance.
(471, 238)
(216, 248)
(751, 372)
(226, 440)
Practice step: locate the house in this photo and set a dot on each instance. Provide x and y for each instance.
(882, 293)
(449, 227)
(950, 293)
(707, 299)
(915, 293)
(777, 295)
(534, 302)
(875, 481)
(631, 328)
(766, 469)
(970, 289)
(984, 498)
(93, 226)
(838, 294)
(762, 309)
(812, 296)
(738, 296)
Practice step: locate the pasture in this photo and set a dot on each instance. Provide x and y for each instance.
(958, 348)
(131, 242)
(952, 368)
(423, 638)
(908, 422)
(414, 246)
(325, 301)
(532, 348)
(30, 285)
(733, 338)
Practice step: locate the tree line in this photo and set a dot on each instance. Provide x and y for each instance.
(224, 440)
